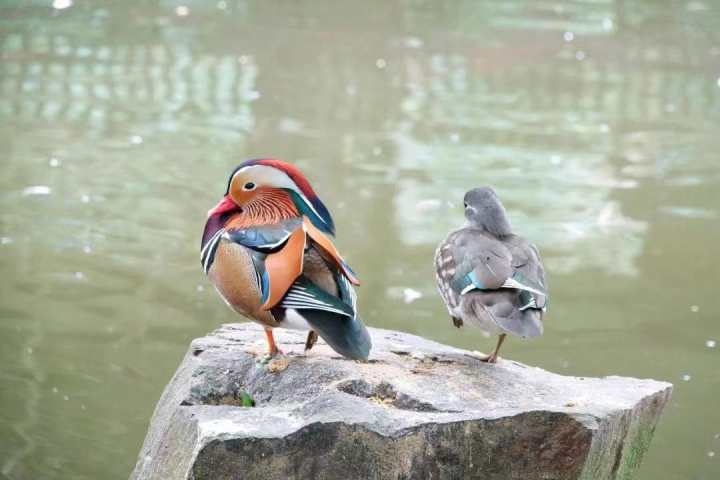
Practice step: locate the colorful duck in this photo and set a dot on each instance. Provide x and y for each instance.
(490, 277)
(267, 249)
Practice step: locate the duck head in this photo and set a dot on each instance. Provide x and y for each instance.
(267, 191)
(484, 210)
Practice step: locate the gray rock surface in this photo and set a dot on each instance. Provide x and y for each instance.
(416, 410)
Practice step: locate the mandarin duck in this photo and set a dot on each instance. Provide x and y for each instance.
(267, 250)
(489, 277)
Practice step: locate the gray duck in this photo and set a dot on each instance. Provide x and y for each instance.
(489, 277)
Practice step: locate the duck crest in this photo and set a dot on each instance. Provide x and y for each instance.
(304, 197)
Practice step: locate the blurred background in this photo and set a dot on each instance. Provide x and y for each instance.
(597, 121)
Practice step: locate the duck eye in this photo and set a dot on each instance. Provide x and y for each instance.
(465, 203)
(249, 186)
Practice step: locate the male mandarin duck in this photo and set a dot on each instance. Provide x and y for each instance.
(488, 276)
(267, 249)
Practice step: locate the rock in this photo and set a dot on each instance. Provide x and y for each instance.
(416, 410)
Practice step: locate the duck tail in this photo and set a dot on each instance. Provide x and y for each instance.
(333, 319)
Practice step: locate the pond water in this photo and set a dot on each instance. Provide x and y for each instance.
(596, 121)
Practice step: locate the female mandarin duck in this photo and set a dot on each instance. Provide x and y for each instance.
(490, 277)
(267, 250)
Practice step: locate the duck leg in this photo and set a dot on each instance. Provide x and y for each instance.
(492, 358)
(272, 346)
(311, 339)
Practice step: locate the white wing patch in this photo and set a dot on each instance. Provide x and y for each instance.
(208, 251)
(298, 297)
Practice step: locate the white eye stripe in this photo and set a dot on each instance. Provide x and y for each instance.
(277, 178)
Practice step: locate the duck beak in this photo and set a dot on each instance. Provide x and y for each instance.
(225, 205)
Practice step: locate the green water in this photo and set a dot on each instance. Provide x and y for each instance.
(598, 122)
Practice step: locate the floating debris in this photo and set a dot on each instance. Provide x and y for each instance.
(580, 55)
(686, 377)
(222, 5)
(36, 190)
(696, 7)
(694, 308)
(689, 212)
(54, 162)
(136, 139)
(85, 198)
(410, 295)
(413, 42)
(568, 36)
(711, 344)
(62, 4)
(6, 240)
(380, 63)
(87, 249)
(290, 125)
(80, 275)
(182, 11)
(607, 24)
(454, 137)
(428, 204)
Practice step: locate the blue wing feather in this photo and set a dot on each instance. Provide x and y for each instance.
(265, 237)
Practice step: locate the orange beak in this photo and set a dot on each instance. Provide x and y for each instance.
(224, 205)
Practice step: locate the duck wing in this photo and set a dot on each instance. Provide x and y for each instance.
(483, 277)
(468, 259)
(333, 317)
(528, 273)
(300, 272)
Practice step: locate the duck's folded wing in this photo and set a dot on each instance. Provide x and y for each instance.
(528, 275)
(333, 318)
(280, 255)
(303, 294)
(482, 263)
(475, 261)
(326, 245)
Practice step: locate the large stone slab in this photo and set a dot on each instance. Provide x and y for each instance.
(416, 410)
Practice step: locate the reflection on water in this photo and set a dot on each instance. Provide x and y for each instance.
(596, 121)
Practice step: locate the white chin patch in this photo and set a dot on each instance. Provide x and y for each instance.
(294, 321)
